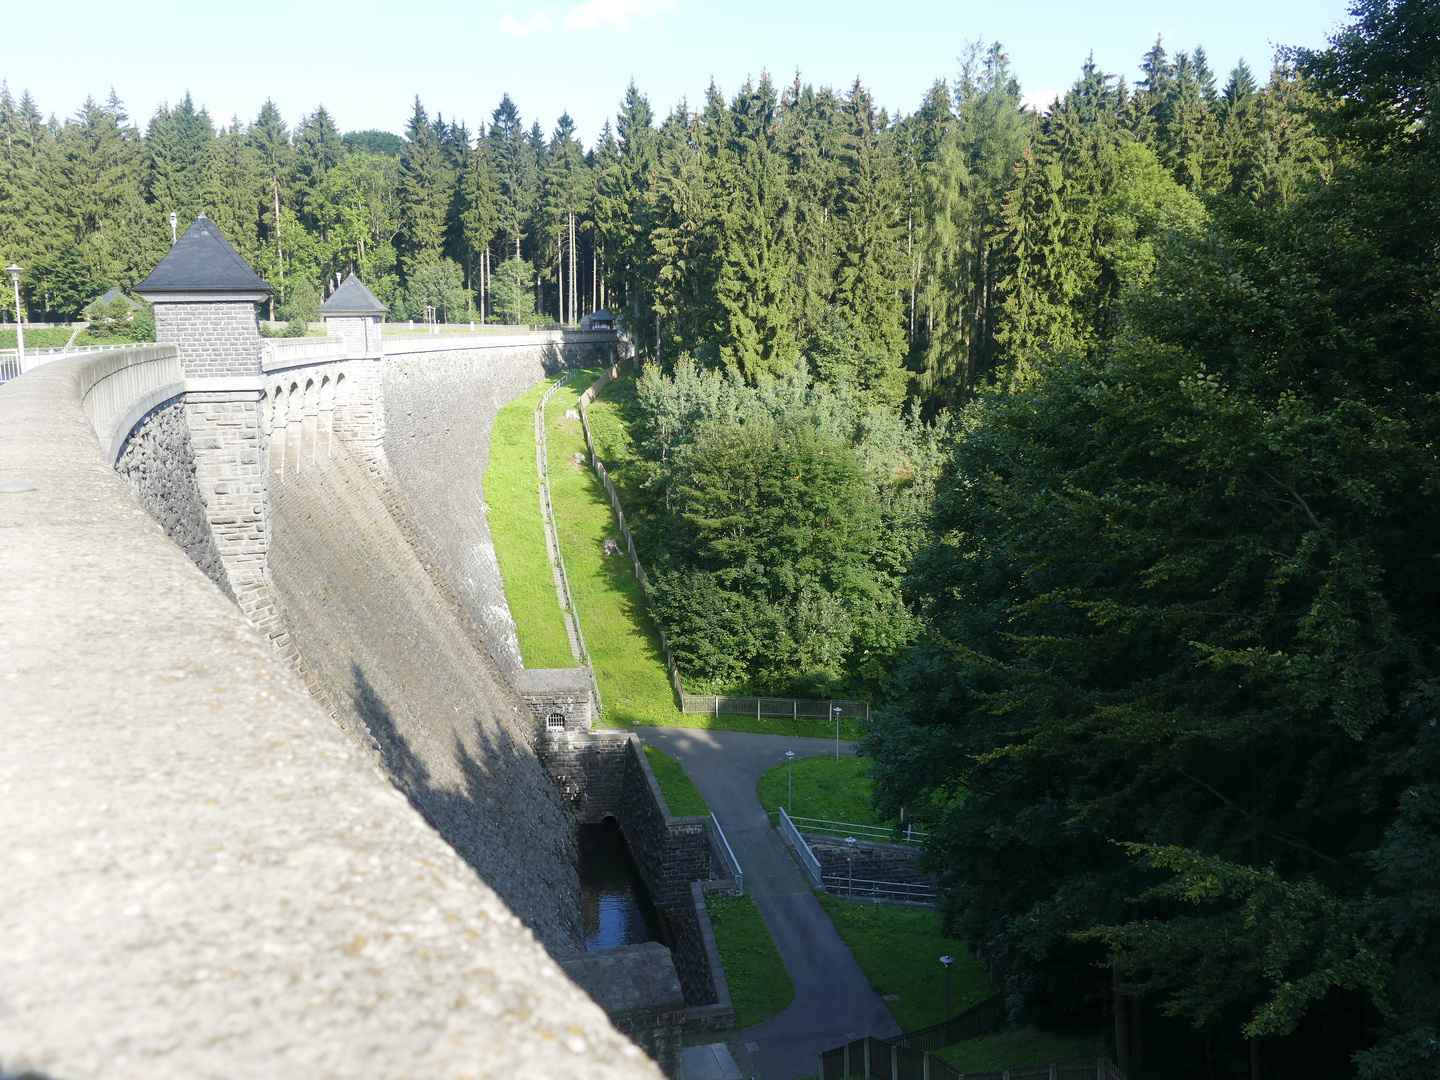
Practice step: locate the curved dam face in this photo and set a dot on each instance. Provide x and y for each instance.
(385, 577)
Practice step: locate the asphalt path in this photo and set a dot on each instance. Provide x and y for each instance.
(833, 1001)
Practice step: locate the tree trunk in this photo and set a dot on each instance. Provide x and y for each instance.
(1122, 1028)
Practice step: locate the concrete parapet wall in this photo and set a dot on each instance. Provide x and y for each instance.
(203, 875)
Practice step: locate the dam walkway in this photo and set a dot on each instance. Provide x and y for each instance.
(833, 1000)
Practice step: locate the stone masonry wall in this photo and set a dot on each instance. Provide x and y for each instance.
(230, 471)
(439, 408)
(215, 339)
(397, 662)
(604, 774)
(159, 465)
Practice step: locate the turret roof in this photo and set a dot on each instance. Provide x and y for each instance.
(352, 298)
(202, 260)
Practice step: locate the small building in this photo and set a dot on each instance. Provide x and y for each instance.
(112, 295)
(354, 314)
(600, 320)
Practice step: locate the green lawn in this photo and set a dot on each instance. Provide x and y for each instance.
(1023, 1046)
(513, 501)
(759, 985)
(37, 337)
(681, 794)
(899, 949)
(824, 788)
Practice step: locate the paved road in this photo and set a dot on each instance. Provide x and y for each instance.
(833, 1000)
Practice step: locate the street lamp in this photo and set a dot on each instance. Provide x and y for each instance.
(850, 859)
(790, 792)
(15, 269)
(947, 961)
(836, 710)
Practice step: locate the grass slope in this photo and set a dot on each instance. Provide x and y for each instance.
(513, 501)
(623, 644)
(899, 950)
(824, 788)
(759, 985)
(681, 794)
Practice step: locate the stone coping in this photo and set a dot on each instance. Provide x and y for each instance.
(204, 875)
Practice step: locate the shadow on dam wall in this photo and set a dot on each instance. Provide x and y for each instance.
(401, 665)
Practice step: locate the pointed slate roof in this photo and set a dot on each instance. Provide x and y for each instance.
(202, 261)
(106, 297)
(352, 298)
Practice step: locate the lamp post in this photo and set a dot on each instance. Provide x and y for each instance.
(836, 710)
(850, 859)
(15, 269)
(790, 786)
(947, 961)
(174, 227)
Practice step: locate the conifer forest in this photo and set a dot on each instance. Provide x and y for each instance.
(1095, 445)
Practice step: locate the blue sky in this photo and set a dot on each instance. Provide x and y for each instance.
(366, 60)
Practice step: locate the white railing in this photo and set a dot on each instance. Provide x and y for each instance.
(727, 856)
(10, 358)
(825, 827)
(774, 708)
(547, 509)
(802, 850)
(903, 891)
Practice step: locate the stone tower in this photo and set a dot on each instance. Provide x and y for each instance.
(354, 315)
(204, 295)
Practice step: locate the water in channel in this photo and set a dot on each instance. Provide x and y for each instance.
(614, 902)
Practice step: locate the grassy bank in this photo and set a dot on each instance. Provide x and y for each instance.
(824, 788)
(1023, 1046)
(622, 640)
(513, 510)
(899, 950)
(681, 794)
(759, 985)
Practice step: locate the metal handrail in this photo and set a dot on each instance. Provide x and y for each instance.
(729, 854)
(801, 849)
(850, 828)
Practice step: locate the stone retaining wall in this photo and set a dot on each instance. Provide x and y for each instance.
(605, 774)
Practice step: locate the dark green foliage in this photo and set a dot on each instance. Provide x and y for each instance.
(1182, 587)
(374, 142)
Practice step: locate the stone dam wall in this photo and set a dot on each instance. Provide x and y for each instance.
(204, 875)
(392, 655)
(439, 408)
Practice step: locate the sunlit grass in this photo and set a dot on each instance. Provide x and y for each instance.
(513, 509)
(824, 788)
(681, 795)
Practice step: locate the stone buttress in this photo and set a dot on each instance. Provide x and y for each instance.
(205, 297)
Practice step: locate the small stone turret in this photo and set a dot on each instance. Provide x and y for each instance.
(205, 297)
(354, 315)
